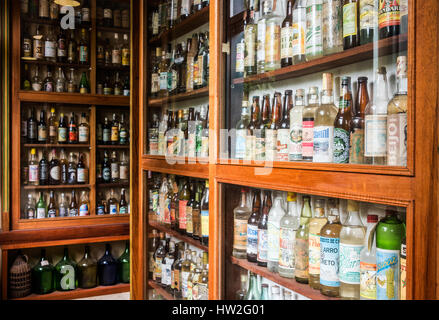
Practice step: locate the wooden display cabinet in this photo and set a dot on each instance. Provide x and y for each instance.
(412, 187)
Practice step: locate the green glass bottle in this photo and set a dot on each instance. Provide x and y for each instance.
(65, 273)
(83, 84)
(124, 265)
(87, 271)
(264, 294)
(42, 275)
(253, 292)
(41, 207)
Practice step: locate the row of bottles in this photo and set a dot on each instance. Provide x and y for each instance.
(281, 33)
(182, 68)
(180, 133)
(69, 275)
(113, 14)
(371, 132)
(339, 259)
(115, 54)
(180, 271)
(180, 203)
(113, 86)
(112, 205)
(113, 170)
(56, 171)
(48, 130)
(169, 13)
(113, 132)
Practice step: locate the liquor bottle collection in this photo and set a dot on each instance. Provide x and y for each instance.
(284, 33)
(113, 131)
(341, 259)
(180, 271)
(69, 274)
(180, 133)
(180, 203)
(315, 130)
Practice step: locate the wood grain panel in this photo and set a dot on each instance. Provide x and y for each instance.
(185, 169)
(73, 98)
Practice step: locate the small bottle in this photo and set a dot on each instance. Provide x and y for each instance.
(123, 204)
(252, 228)
(53, 135)
(43, 170)
(295, 151)
(308, 119)
(84, 87)
(63, 206)
(73, 207)
(112, 203)
(84, 205)
(124, 174)
(54, 169)
(30, 210)
(43, 275)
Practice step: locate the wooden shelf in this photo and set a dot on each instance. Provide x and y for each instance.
(114, 30)
(187, 25)
(111, 146)
(361, 53)
(56, 64)
(113, 185)
(73, 98)
(178, 235)
(291, 284)
(65, 186)
(165, 294)
(199, 93)
(49, 22)
(37, 145)
(80, 293)
(189, 167)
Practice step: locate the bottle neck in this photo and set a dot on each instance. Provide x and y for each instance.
(401, 83)
(327, 97)
(354, 219)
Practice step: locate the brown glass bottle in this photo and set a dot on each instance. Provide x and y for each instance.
(174, 205)
(271, 130)
(52, 209)
(196, 215)
(287, 37)
(356, 150)
(252, 228)
(250, 140)
(342, 124)
(73, 207)
(350, 24)
(283, 132)
(153, 243)
(262, 231)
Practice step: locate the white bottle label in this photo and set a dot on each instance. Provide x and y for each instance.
(41, 213)
(252, 239)
(83, 210)
(397, 139)
(240, 57)
(83, 134)
(314, 254)
(50, 49)
(283, 144)
(287, 238)
(375, 136)
(33, 173)
(323, 144)
(350, 263)
(240, 144)
(286, 36)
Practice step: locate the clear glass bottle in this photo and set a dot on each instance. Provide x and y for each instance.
(301, 246)
(272, 43)
(63, 206)
(273, 225)
(332, 32)
(84, 205)
(37, 83)
(295, 149)
(253, 292)
(30, 209)
(41, 207)
(260, 37)
(60, 85)
(314, 23)
(250, 27)
(241, 131)
(315, 226)
(308, 121)
(241, 214)
(264, 292)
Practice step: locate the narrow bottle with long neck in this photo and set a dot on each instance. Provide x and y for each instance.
(252, 228)
(261, 129)
(250, 140)
(283, 131)
(262, 231)
(308, 120)
(368, 262)
(301, 245)
(295, 145)
(315, 225)
(342, 123)
(287, 237)
(241, 215)
(271, 130)
(356, 152)
(273, 225)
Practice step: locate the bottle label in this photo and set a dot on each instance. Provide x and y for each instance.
(350, 19)
(286, 43)
(287, 237)
(272, 44)
(368, 280)
(204, 147)
(350, 263)
(204, 223)
(63, 212)
(27, 47)
(83, 134)
(270, 144)
(106, 174)
(314, 254)
(24, 128)
(158, 268)
(323, 144)
(301, 258)
(106, 135)
(262, 245)
(240, 231)
(260, 144)
(50, 49)
(73, 135)
(36, 86)
(295, 137)
(314, 29)
(196, 72)
(375, 136)
(283, 145)
(240, 57)
(298, 36)
(62, 48)
(114, 134)
(196, 221)
(341, 146)
(185, 7)
(182, 214)
(329, 261)
(123, 172)
(68, 280)
(108, 13)
(82, 175)
(125, 57)
(250, 46)
(189, 222)
(260, 54)
(155, 83)
(51, 213)
(115, 171)
(240, 144)
(356, 150)
(83, 210)
(176, 280)
(167, 211)
(44, 172)
(41, 213)
(55, 173)
(252, 239)
(388, 13)
(184, 284)
(123, 209)
(73, 212)
(368, 14)
(101, 211)
(190, 74)
(388, 267)
(33, 173)
(163, 81)
(250, 146)
(113, 208)
(42, 134)
(86, 14)
(83, 54)
(308, 138)
(397, 139)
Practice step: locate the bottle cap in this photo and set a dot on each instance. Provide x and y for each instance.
(372, 218)
(353, 206)
(291, 197)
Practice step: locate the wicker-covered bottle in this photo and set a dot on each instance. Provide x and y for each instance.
(20, 284)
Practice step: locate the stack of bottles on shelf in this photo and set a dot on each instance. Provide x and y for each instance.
(112, 206)
(177, 269)
(181, 69)
(279, 34)
(181, 204)
(113, 14)
(112, 170)
(364, 132)
(170, 13)
(340, 259)
(88, 273)
(113, 132)
(180, 133)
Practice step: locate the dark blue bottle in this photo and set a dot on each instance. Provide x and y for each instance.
(107, 268)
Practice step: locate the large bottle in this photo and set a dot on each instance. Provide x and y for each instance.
(123, 265)
(261, 28)
(65, 273)
(314, 22)
(87, 271)
(107, 268)
(273, 224)
(241, 214)
(389, 234)
(252, 228)
(368, 262)
(301, 258)
(315, 226)
(356, 150)
(351, 243)
(329, 252)
(42, 275)
(262, 231)
(196, 214)
(287, 237)
(342, 125)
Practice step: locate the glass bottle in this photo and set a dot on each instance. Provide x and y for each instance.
(106, 132)
(404, 13)
(252, 228)
(64, 167)
(184, 198)
(114, 130)
(272, 43)
(43, 275)
(240, 52)
(356, 150)
(350, 24)
(30, 209)
(250, 43)
(83, 48)
(167, 262)
(84, 205)
(106, 169)
(52, 124)
(332, 32)
(83, 129)
(114, 167)
(185, 273)
(125, 51)
(124, 174)
(84, 87)
(60, 84)
(71, 83)
(123, 204)
(264, 291)
(262, 231)
(27, 85)
(314, 22)
(389, 18)
(42, 128)
(73, 207)
(250, 139)
(301, 270)
(63, 206)
(368, 12)
(73, 131)
(375, 136)
(107, 268)
(32, 135)
(72, 48)
(37, 84)
(351, 243)
(342, 125)
(241, 131)
(189, 207)
(65, 273)
(158, 257)
(272, 127)
(26, 45)
(241, 214)
(124, 265)
(52, 210)
(368, 262)
(50, 47)
(287, 37)
(241, 293)
(112, 203)
(329, 252)
(163, 72)
(38, 46)
(324, 123)
(308, 120)
(295, 135)
(87, 271)
(287, 237)
(205, 215)
(49, 83)
(176, 271)
(260, 37)
(315, 226)
(43, 170)
(260, 131)
(117, 85)
(153, 244)
(54, 169)
(273, 224)
(283, 131)
(253, 292)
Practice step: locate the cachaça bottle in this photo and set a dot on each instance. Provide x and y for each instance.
(368, 262)
(356, 150)
(271, 129)
(273, 224)
(308, 118)
(265, 122)
(43, 275)
(32, 126)
(260, 36)
(65, 273)
(42, 128)
(342, 125)
(64, 167)
(41, 207)
(262, 257)
(54, 169)
(63, 207)
(53, 136)
(250, 139)
(43, 170)
(253, 292)
(185, 273)
(352, 235)
(241, 131)
(62, 129)
(283, 131)
(176, 271)
(82, 171)
(87, 271)
(350, 24)
(329, 252)
(196, 215)
(287, 237)
(272, 41)
(389, 18)
(84, 205)
(250, 27)
(153, 244)
(52, 210)
(252, 228)
(167, 263)
(299, 31)
(112, 203)
(158, 257)
(332, 31)
(84, 87)
(241, 215)
(124, 265)
(83, 129)
(107, 268)
(404, 14)
(315, 226)
(73, 130)
(184, 198)
(205, 215)
(72, 177)
(314, 22)
(301, 260)
(30, 210)
(287, 37)
(73, 207)
(368, 12)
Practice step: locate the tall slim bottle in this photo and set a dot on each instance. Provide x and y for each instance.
(342, 123)
(260, 49)
(272, 127)
(261, 129)
(315, 226)
(272, 42)
(299, 31)
(314, 22)
(123, 265)
(301, 246)
(308, 118)
(295, 151)
(287, 37)
(356, 149)
(350, 24)
(250, 139)
(273, 225)
(205, 215)
(241, 131)
(283, 131)
(250, 27)
(87, 271)
(252, 228)
(241, 214)
(332, 27)
(262, 231)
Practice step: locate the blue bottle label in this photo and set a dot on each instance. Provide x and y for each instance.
(387, 278)
(350, 263)
(329, 261)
